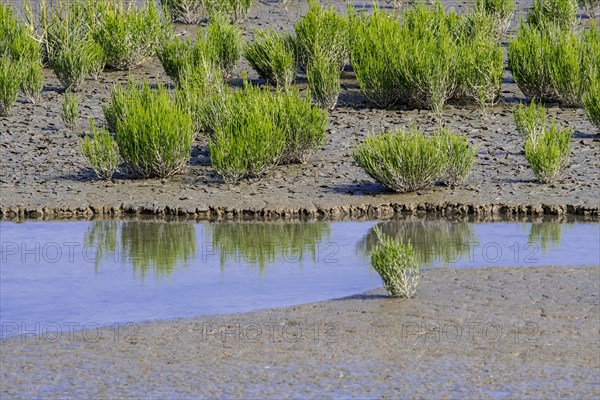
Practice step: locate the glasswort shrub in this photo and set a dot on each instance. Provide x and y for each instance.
(70, 110)
(272, 55)
(100, 153)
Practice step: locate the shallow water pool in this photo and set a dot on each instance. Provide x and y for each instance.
(75, 274)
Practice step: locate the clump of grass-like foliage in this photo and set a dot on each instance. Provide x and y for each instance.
(128, 34)
(23, 53)
(196, 11)
(396, 263)
(322, 31)
(9, 83)
(591, 102)
(323, 78)
(253, 129)
(100, 153)
(154, 133)
(547, 148)
(409, 161)
(551, 64)
(70, 110)
(272, 55)
(501, 11)
(560, 13)
(223, 41)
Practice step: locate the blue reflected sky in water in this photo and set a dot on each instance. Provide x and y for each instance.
(58, 281)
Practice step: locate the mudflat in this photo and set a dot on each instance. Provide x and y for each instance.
(527, 332)
(44, 175)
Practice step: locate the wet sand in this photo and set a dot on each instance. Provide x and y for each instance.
(470, 333)
(43, 174)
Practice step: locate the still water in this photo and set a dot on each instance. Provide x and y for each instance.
(107, 272)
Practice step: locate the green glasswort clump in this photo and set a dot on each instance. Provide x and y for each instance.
(154, 134)
(100, 152)
(500, 11)
(74, 61)
(70, 110)
(223, 42)
(9, 83)
(560, 13)
(530, 121)
(253, 129)
(322, 32)
(272, 55)
(402, 161)
(196, 11)
(128, 34)
(550, 153)
(460, 157)
(591, 102)
(23, 52)
(549, 65)
(396, 263)
(323, 78)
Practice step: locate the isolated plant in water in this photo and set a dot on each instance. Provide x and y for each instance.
(100, 153)
(396, 263)
(70, 110)
(128, 34)
(272, 55)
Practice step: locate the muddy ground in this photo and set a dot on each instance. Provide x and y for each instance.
(44, 175)
(470, 333)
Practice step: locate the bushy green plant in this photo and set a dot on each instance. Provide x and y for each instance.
(547, 64)
(73, 62)
(549, 153)
(196, 11)
(174, 54)
(223, 42)
(591, 102)
(154, 134)
(530, 120)
(402, 161)
(460, 157)
(197, 91)
(10, 72)
(322, 32)
(17, 43)
(560, 13)
(70, 110)
(128, 34)
(272, 55)
(396, 263)
(100, 153)
(323, 78)
(501, 11)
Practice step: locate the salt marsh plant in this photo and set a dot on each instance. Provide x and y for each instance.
(501, 11)
(70, 110)
(460, 157)
(128, 34)
(154, 134)
(74, 61)
(530, 120)
(547, 64)
(397, 265)
(196, 11)
(100, 153)
(272, 55)
(591, 102)
(254, 129)
(591, 7)
(174, 54)
(560, 13)
(545, 234)
(550, 153)
(223, 41)
(321, 31)
(323, 78)
(402, 161)
(9, 83)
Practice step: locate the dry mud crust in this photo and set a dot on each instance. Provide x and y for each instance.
(475, 333)
(42, 172)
